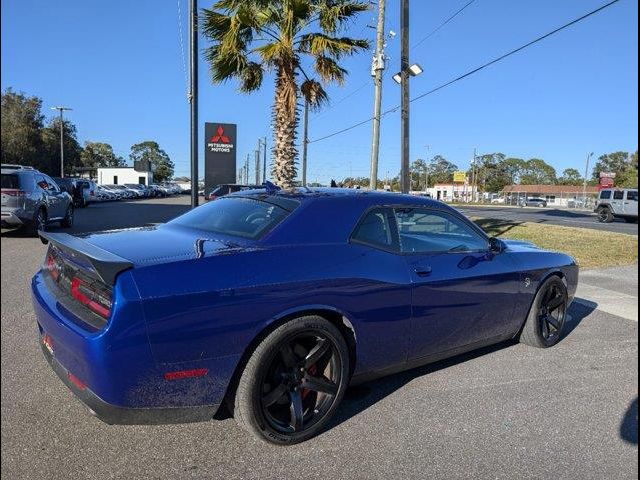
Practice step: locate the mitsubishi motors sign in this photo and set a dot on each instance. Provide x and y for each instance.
(219, 154)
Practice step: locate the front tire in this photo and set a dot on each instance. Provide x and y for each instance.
(293, 382)
(605, 215)
(546, 319)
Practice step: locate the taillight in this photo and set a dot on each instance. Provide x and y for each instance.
(12, 192)
(53, 266)
(212, 196)
(91, 296)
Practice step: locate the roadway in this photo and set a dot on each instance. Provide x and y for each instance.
(567, 218)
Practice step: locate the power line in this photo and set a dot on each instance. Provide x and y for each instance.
(434, 31)
(365, 84)
(475, 70)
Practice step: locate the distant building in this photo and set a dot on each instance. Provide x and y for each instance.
(452, 192)
(559, 195)
(123, 175)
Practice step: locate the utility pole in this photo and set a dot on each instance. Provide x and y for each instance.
(473, 175)
(263, 141)
(586, 175)
(61, 109)
(193, 98)
(305, 142)
(246, 169)
(377, 70)
(257, 159)
(405, 184)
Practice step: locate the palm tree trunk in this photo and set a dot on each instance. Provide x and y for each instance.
(285, 116)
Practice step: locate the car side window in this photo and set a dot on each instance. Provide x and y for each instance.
(632, 195)
(618, 195)
(41, 182)
(376, 229)
(605, 194)
(431, 231)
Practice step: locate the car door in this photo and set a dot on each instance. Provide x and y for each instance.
(631, 203)
(462, 293)
(55, 198)
(617, 202)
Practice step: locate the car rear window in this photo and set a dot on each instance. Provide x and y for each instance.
(632, 195)
(236, 216)
(10, 181)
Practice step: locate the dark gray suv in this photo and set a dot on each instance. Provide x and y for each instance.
(31, 199)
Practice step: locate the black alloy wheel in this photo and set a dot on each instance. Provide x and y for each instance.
(301, 382)
(293, 382)
(547, 317)
(551, 313)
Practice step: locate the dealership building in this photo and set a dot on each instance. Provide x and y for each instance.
(558, 195)
(140, 174)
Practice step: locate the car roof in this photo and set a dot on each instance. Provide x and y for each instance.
(307, 194)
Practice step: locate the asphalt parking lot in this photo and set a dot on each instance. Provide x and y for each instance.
(508, 411)
(552, 216)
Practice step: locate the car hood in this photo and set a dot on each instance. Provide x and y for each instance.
(513, 244)
(162, 244)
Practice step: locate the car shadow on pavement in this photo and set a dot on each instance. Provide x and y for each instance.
(495, 227)
(360, 397)
(629, 424)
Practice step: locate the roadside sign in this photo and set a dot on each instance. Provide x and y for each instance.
(459, 177)
(607, 174)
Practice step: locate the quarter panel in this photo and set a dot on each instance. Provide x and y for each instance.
(215, 306)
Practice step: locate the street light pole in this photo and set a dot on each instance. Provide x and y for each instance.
(586, 174)
(61, 109)
(264, 160)
(378, 69)
(193, 98)
(404, 73)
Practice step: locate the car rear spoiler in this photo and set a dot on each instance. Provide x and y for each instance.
(107, 265)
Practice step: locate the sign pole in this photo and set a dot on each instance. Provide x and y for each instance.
(193, 99)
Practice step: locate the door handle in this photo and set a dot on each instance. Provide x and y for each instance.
(422, 270)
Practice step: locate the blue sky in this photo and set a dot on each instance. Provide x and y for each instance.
(119, 65)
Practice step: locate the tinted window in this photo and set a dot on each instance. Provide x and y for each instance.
(236, 216)
(605, 194)
(10, 181)
(618, 195)
(375, 229)
(430, 231)
(632, 195)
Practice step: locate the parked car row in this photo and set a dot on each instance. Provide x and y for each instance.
(130, 191)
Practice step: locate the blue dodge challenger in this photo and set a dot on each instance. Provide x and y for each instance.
(272, 302)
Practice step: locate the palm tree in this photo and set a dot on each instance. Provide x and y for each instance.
(252, 37)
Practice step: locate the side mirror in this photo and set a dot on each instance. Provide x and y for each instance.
(496, 245)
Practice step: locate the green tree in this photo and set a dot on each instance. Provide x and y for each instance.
(250, 37)
(150, 151)
(419, 174)
(513, 168)
(571, 176)
(21, 131)
(491, 174)
(51, 148)
(623, 164)
(538, 172)
(441, 170)
(98, 154)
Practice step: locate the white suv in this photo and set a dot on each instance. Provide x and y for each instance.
(617, 203)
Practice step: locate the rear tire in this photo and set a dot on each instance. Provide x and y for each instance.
(67, 221)
(605, 215)
(546, 319)
(39, 222)
(287, 395)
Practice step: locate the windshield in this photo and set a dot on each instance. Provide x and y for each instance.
(236, 216)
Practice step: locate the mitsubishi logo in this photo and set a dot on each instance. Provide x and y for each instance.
(220, 136)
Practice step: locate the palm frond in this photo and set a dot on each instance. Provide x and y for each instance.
(313, 92)
(333, 15)
(251, 77)
(329, 70)
(336, 47)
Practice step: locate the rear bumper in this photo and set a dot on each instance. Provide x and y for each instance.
(115, 415)
(11, 220)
